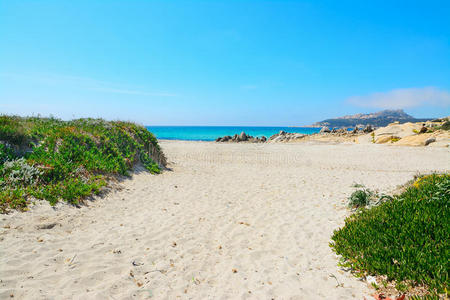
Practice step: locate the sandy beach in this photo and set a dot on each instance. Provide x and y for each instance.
(228, 221)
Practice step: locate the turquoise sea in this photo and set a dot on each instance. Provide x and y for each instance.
(210, 133)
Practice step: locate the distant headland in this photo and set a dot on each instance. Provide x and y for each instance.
(378, 119)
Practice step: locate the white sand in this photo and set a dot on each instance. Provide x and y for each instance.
(266, 211)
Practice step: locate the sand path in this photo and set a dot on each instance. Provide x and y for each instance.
(229, 222)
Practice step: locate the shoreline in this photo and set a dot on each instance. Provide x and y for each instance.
(406, 134)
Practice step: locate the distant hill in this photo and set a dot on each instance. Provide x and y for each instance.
(378, 119)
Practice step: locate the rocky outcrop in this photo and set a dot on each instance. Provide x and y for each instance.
(414, 140)
(430, 133)
(242, 137)
(284, 136)
(341, 131)
(224, 139)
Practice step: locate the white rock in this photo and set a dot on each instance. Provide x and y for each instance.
(371, 280)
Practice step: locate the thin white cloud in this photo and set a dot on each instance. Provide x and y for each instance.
(403, 98)
(85, 83)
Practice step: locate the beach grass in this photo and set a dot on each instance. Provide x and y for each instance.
(51, 159)
(406, 238)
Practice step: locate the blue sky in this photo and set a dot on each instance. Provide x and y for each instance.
(224, 62)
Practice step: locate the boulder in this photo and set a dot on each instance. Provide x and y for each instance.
(286, 137)
(442, 139)
(368, 128)
(414, 140)
(423, 129)
(430, 140)
(276, 138)
(400, 130)
(325, 129)
(282, 132)
(243, 137)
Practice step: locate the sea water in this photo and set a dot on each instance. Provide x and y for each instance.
(210, 133)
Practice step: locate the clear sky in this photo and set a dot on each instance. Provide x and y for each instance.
(224, 62)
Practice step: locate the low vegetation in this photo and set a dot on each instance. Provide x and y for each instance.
(364, 197)
(446, 125)
(46, 158)
(405, 239)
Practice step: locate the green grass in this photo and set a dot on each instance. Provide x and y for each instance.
(46, 158)
(406, 238)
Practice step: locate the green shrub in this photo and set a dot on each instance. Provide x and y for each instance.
(364, 197)
(406, 239)
(446, 125)
(69, 160)
(18, 173)
(12, 131)
(14, 199)
(360, 198)
(71, 190)
(6, 153)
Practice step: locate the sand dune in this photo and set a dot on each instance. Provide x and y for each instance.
(230, 221)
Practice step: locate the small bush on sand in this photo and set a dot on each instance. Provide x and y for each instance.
(360, 198)
(364, 197)
(406, 239)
